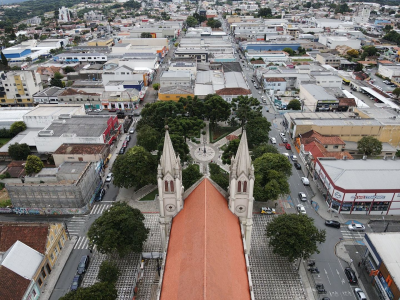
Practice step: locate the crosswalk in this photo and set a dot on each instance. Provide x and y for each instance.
(75, 224)
(347, 234)
(98, 209)
(82, 243)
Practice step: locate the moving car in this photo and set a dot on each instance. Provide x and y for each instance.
(267, 210)
(356, 227)
(132, 130)
(351, 275)
(293, 157)
(305, 181)
(76, 282)
(287, 146)
(83, 264)
(273, 140)
(297, 165)
(282, 134)
(332, 223)
(302, 196)
(109, 177)
(359, 294)
(100, 194)
(301, 209)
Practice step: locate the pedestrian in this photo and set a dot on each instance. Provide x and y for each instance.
(359, 264)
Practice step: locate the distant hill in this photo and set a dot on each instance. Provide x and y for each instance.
(11, 1)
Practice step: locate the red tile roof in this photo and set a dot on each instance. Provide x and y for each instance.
(233, 91)
(82, 149)
(347, 102)
(33, 235)
(258, 62)
(319, 150)
(13, 286)
(205, 257)
(312, 135)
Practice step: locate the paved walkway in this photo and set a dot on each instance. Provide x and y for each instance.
(51, 282)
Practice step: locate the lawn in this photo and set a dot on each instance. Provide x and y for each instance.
(220, 132)
(4, 141)
(150, 196)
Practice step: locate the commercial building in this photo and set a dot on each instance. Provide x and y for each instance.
(176, 78)
(81, 152)
(316, 98)
(174, 93)
(29, 253)
(333, 41)
(9, 115)
(48, 95)
(68, 189)
(328, 59)
(392, 72)
(268, 56)
(360, 186)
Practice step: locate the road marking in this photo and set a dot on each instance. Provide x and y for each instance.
(326, 273)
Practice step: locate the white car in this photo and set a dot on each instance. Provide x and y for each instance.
(356, 227)
(301, 209)
(98, 110)
(305, 181)
(109, 177)
(273, 140)
(282, 134)
(359, 294)
(132, 130)
(302, 196)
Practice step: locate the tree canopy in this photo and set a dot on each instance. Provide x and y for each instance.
(146, 35)
(263, 148)
(230, 151)
(99, 290)
(257, 130)
(290, 51)
(294, 104)
(264, 12)
(369, 145)
(219, 176)
(180, 147)
(216, 109)
(214, 23)
(33, 165)
(19, 151)
(119, 229)
(148, 138)
(193, 106)
(108, 272)
(191, 21)
(246, 108)
(396, 92)
(190, 175)
(294, 236)
(17, 127)
(136, 168)
(156, 114)
(186, 126)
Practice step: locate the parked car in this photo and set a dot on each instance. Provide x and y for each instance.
(302, 196)
(267, 210)
(286, 154)
(98, 110)
(89, 110)
(122, 150)
(284, 140)
(356, 227)
(305, 181)
(132, 130)
(125, 143)
(351, 275)
(332, 223)
(109, 177)
(282, 134)
(297, 165)
(301, 209)
(287, 146)
(273, 140)
(128, 138)
(267, 109)
(100, 194)
(293, 157)
(359, 294)
(83, 264)
(76, 282)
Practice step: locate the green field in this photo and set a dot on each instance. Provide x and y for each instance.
(4, 141)
(150, 196)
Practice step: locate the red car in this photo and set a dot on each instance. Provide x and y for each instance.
(287, 146)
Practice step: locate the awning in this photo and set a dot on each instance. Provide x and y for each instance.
(359, 103)
(385, 100)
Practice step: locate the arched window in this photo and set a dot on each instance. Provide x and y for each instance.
(239, 186)
(171, 184)
(245, 187)
(166, 186)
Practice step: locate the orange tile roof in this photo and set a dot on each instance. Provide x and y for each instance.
(313, 135)
(233, 91)
(205, 258)
(319, 150)
(13, 286)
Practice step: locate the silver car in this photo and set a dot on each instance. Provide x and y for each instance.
(356, 227)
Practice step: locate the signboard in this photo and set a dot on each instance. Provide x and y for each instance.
(338, 195)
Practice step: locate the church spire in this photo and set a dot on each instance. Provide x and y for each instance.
(242, 160)
(168, 160)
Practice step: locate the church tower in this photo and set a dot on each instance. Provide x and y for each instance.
(241, 187)
(170, 189)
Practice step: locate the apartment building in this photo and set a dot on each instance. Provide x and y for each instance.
(18, 87)
(328, 59)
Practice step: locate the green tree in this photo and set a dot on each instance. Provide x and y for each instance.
(230, 151)
(369, 51)
(132, 4)
(108, 272)
(99, 290)
(120, 229)
(264, 12)
(186, 127)
(56, 82)
(19, 151)
(294, 236)
(68, 69)
(396, 92)
(146, 35)
(397, 153)
(308, 5)
(213, 23)
(294, 104)
(148, 138)
(136, 168)
(165, 16)
(289, 51)
(216, 109)
(157, 114)
(17, 127)
(387, 28)
(190, 175)
(342, 8)
(369, 145)
(156, 86)
(257, 130)
(180, 147)
(200, 19)
(263, 148)
(246, 108)
(191, 21)
(4, 60)
(22, 26)
(219, 176)
(33, 165)
(358, 68)
(301, 50)
(353, 53)
(193, 107)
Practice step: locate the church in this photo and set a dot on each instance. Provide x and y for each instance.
(205, 231)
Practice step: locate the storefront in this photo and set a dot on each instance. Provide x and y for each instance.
(369, 187)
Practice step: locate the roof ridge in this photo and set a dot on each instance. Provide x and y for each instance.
(205, 240)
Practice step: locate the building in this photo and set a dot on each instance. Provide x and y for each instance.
(68, 189)
(268, 56)
(101, 42)
(67, 129)
(333, 41)
(392, 72)
(81, 152)
(183, 66)
(174, 93)
(328, 59)
(176, 78)
(18, 88)
(360, 186)
(79, 97)
(64, 14)
(93, 16)
(199, 55)
(203, 224)
(10, 115)
(275, 83)
(28, 253)
(48, 95)
(316, 98)
(380, 261)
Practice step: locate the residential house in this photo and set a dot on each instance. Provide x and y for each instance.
(81, 152)
(328, 59)
(48, 95)
(275, 83)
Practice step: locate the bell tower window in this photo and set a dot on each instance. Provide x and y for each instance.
(166, 186)
(239, 186)
(245, 187)
(171, 184)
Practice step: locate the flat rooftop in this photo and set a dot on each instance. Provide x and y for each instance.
(51, 110)
(377, 174)
(80, 149)
(82, 126)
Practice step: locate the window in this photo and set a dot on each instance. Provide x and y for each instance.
(43, 273)
(48, 268)
(6, 84)
(52, 256)
(239, 187)
(171, 184)
(25, 90)
(166, 186)
(60, 245)
(40, 282)
(7, 90)
(335, 147)
(245, 187)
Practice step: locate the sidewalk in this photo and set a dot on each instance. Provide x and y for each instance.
(51, 282)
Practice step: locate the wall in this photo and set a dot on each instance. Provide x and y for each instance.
(174, 97)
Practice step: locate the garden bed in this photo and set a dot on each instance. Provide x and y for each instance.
(150, 196)
(220, 132)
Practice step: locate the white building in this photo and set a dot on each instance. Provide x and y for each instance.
(330, 81)
(64, 14)
(268, 56)
(173, 78)
(389, 71)
(21, 85)
(333, 41)
(184, 66)
(362, 14)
